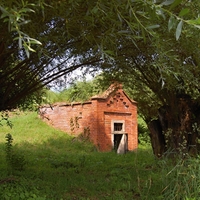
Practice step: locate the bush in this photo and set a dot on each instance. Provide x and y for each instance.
(143, 132)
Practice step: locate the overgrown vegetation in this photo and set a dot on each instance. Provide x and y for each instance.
(62, 167)
(14, 161)
(78, 91)
(143, 132)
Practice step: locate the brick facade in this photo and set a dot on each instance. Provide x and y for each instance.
(105, 118)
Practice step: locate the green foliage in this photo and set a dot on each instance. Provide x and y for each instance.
(62, 167)
(51, 97)
(15, 17)
(71, 40)
(143, 132)
(79, 91)
(182, 178)
(19, 189)
(14, 160)
(143, 135)
(179, 12)
(5, 118)
(163, 69)
(32, 101)
(8, 147)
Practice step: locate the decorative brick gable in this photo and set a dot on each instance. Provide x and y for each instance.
(109, 119)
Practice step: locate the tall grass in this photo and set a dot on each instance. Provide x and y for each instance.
(181, 178)
(59, 166)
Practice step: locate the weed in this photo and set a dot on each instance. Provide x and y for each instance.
(181, 180)
(20, 190)
(74, 124)
(71, 125)
(14, 161)
(85, 136)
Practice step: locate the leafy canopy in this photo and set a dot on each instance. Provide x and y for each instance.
(44, 41)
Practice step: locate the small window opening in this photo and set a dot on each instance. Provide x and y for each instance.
(118, 126)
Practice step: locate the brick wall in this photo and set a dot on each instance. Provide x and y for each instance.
(97, 116)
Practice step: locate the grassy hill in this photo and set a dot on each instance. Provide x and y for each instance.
(49, 164)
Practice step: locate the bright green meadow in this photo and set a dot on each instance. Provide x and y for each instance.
(46, 164)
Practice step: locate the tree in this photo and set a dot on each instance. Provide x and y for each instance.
(24, 71)
(43, 40)
(120, 38)
(78, 91)
(162, 76)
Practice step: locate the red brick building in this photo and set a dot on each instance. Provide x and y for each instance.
(109, 120)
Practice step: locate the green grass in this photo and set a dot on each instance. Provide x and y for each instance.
(59, 166)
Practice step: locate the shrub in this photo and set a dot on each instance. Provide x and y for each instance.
(143, 132)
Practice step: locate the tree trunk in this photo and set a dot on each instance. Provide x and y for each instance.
(176, 129)
(157, 138)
